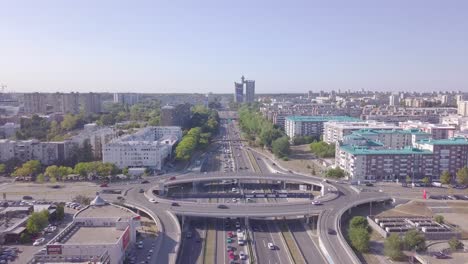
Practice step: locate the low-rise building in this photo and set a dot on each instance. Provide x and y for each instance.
(437, 131)
(8, 130)
(101, 233)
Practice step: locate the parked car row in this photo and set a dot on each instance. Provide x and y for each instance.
(9, 254)
(74, 205)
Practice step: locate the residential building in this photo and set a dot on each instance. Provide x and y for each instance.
(394, 100)
(126, 98)
(96, 136)
(335, 131)
(310, 125)
(65, 103)
(92, 103)
(178, 115)
(150, 147)
(249, 91)
(437, 131)
(463, 108)
(47, 153)
(8, 129)
(35, 103)
(393, 139)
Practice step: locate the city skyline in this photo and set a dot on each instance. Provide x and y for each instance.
(204, 46)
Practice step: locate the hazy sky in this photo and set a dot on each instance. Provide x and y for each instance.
(202, 46)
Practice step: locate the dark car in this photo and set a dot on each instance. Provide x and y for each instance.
(222, 206)
(331, 231)
(175, 204)
(141, 191)
(369, 184)
(172, 178)
(27, 197)
(144, 182)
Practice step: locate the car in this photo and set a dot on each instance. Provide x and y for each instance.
(331, 231)
(188, 235)
(274, 164)
(172, 178)
(27, 197)
(104, 185)
(175, 204)
(140, 246)
(38, 241)
(152, 200)
(242, 255)
(222, 206)
(141, 191)
(120, 198)
(316, 202)
(228, 240)
(369, 184)
(144, 182)
(271, 246)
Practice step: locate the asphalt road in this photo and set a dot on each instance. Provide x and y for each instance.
(308, 247)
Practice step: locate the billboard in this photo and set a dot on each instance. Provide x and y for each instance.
(126, 238)
(54, 249)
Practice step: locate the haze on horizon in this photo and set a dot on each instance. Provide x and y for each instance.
(204, 46)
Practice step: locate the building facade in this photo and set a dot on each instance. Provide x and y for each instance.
(335, 131)
(310, 125)
(92, 103)
(249, 91)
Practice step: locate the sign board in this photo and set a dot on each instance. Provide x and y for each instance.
(271, 195)
(54, 249)
(283, 196)
(302, 187)
(126, 238)
(260, 195)
(249, 196)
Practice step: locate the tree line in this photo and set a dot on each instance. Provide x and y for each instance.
(259, 131)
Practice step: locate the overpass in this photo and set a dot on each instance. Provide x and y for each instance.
(282, 177)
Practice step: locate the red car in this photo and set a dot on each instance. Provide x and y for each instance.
(232, 256)
(172, 178)
(230, 234)
(104, 185)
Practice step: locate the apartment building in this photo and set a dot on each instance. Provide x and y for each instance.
(311, 125)
(393, 139)
(149, 147)
(437, 131)
(47, 153)
(126, 98)
(335, 131)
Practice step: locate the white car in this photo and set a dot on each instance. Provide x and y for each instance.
(316, 202)
(271, 246)
(38, 241)
(152, 200)
(242, 255)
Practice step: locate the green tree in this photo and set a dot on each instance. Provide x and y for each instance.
(414, 240)
(29, 168)
(462, 176)
(40, 178)
(280, 147)
(52, 171)
(60, 212)
(408, 179)
(393, 247)
(2, 168)
(425, 180)
(125, 171)
(439, 219)
(455, 244)
(359, 222)
(82, 168)
(335, 173)
(69, 122)
(64, 171)
(25, 238)
(322, 149)
(37, 221)
(445, 177)
(359, 238)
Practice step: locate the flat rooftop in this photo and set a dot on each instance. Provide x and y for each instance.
(94, 235)
(323, 118)
(106, 211)
(363, 150)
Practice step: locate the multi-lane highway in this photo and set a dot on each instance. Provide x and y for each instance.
(233, 161)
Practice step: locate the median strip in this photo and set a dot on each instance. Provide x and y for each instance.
(210, 241)
(291, 243)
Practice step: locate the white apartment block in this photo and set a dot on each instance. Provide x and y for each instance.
(96, 136)
(149, 147)
(47, 153)
(463, 108)
(335, 131)
(437, 131)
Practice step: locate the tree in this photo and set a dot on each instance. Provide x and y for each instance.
(82, 199)
(414, 240)
(455, 244)
(322, 149)
(445, 177)
(462, 176)
(40, 178)
(335, 173)
(52, 172)
(125, 171)
(29, 168)
(425, 180)
(69, 122)
(25, 238)
(60, 212)
(359, 222)
(82, 168)
(408, 179)
(393, 247)
(359, 239)
(2, 168)
(37, 221)
(280, 147)
(439, 219)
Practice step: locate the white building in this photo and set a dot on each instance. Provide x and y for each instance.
(8, 130)
(296, 126)
(101, 233)
(394, 100)
(96, 136)
(463, 108)
(335, 131)
(149, 147)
